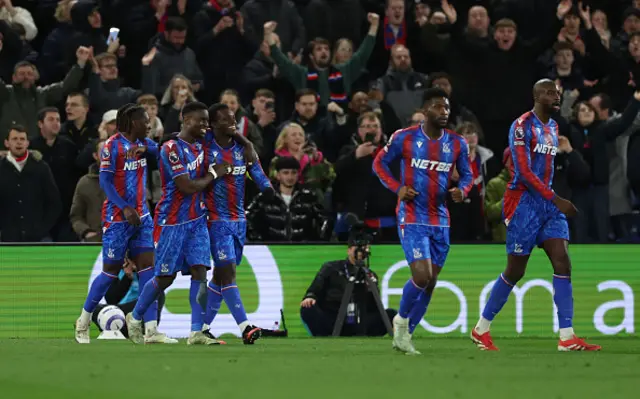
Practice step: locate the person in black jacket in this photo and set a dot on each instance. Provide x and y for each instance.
(29, 198)
(356, 189)
(590, 136)
(321, 303)
(292, 214)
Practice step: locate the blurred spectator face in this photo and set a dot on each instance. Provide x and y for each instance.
(634, 46)
(599, 20)
(25, 76)
(152, 110)
(586, 115)
(344, 51)
(596, 101)
(444, 84)
(631, 24)
(76, 108)
(230, 101)
(224, 3)
(287, 177)
(400, 58)
(572, 24)
(179, 84)
(321, 55)
(438, 18)
(95, 19)
(259, 104)
(307, 107)
(96, 155)
(110, 127)
(17, 143)
(295, 138)
(472, 139)
(50, 126)
(478, 20)
(359, 102)
(395, 11)
(176, 38)
(368, 126)
(108, 69)
(422, 10)
(505, 36)
(417, 118)
(564, 59)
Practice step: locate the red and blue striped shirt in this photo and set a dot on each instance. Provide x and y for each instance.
(533, 147)
(177, 158)
(426, 166)
(225, 201)
(129, 177)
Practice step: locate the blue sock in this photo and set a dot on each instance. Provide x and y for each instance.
(214, 300)
(99, 288)
(143, 277)
(148, 295)
(499, 295)
(563, 297)
(196, 309)
(419, 310)
(410, 294)
(231, 296)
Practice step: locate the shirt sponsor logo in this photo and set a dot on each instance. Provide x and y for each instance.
(545, 149)
(193, 165)
(426, 164)
(135, 165)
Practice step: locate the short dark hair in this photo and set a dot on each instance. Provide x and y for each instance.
(318, 41)
(560, 46)
(264, 93)
(368, 116)
(46, 110)
(24, 64)
(17, 128)
(231, 92)
(85, 99)
(506, 23)
(213, 111)
(126, 114)
(434, 92)
(305, 92)
(175, 23)
(435, 76)
(286, 163)
(192, 107)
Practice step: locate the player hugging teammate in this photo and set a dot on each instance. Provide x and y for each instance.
(188, 164)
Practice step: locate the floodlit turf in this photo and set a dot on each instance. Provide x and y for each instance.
(316, 368)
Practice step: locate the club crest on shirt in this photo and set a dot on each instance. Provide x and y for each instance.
(105, 152)
(445, 148)
(173, 157)
(238, 156)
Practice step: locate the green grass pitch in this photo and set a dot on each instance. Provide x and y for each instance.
(316, 368)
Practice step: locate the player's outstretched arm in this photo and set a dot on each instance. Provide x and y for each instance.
(381, 163)
(520, 145)
(259, 177)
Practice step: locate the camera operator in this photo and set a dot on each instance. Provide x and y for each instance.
(321, 304)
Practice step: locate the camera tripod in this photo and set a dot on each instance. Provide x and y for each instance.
(371, 286)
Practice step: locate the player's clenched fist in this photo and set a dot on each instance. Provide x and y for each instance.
(565, 206)
(308, 302)
(406, 193)
(456, 195)
(373, 18)
(220, 169)
(131, 215)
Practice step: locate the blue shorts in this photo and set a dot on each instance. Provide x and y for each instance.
(119, 237)
(531, 220)
(181, 246)
(227, 241)
(420, 241)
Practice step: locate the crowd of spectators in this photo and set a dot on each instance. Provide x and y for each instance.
(318, 86)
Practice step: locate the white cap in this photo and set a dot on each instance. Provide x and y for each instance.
(110, 116)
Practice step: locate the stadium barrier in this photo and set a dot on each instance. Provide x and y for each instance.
(43, 287)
